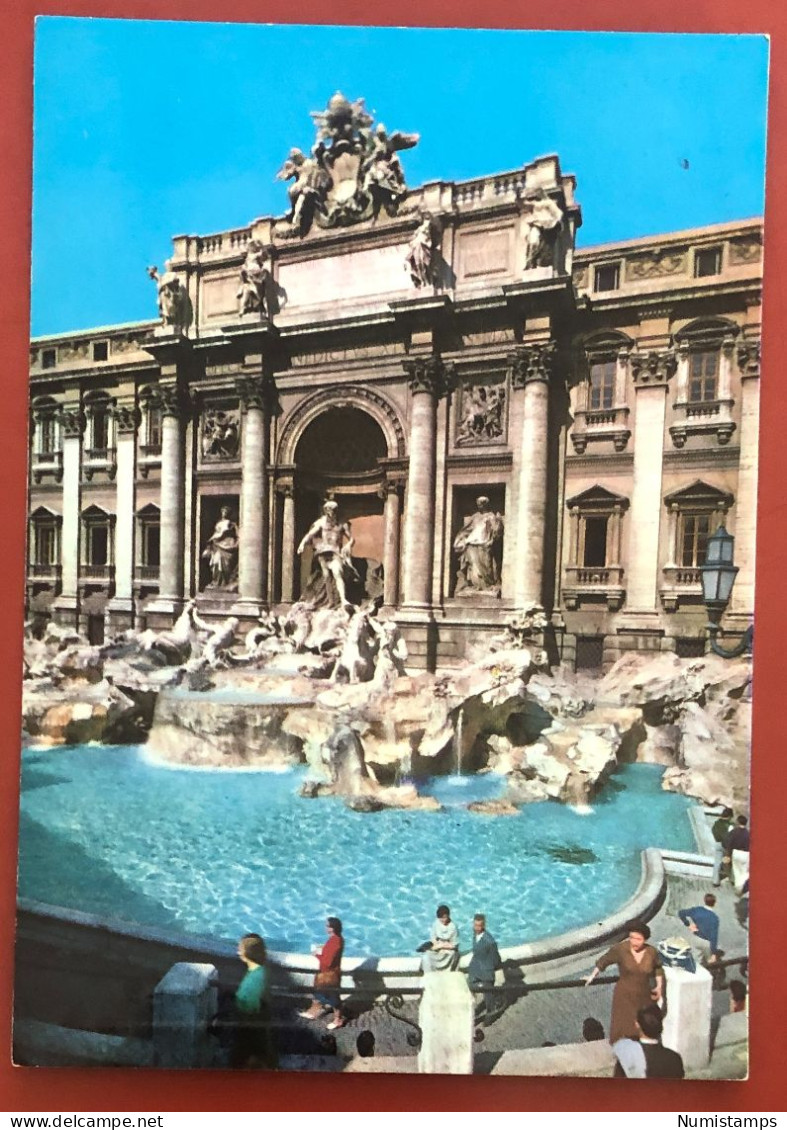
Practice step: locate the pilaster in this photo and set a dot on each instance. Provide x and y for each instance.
(652, 372)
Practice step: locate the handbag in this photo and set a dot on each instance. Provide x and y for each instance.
(327, 979)
(678, 954)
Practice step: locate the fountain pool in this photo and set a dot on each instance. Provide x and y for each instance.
(223, 852)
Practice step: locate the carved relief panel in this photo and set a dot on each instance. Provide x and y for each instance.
(219, 434)
(481, 413)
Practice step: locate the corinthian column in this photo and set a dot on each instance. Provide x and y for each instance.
(425, 375)
(254, 524)
(172, 487)
(531, 371)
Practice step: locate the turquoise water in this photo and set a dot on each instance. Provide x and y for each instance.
(223, 853)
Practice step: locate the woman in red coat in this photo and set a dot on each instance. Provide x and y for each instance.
(328, 979)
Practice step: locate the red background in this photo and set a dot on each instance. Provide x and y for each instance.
(26, 1089)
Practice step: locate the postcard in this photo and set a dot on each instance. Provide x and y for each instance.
(390, 569)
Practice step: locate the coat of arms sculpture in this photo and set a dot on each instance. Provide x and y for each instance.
(352, 174)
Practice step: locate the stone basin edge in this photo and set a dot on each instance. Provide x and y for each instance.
(643, 904)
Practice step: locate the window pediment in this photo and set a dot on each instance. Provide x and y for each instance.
(597, 498)
(699, 495)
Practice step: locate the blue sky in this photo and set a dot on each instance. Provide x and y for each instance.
(147, 129)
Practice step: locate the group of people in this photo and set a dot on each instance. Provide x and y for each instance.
(441, 952)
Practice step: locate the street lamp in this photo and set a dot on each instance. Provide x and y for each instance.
(718, 576)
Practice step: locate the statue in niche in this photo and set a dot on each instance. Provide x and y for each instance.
(220, 437)
(479, 544)
(254, 276)
(221, 553)
(545, 219)
(173, 302)
(420, 253)
(481, 414)
(332, 543)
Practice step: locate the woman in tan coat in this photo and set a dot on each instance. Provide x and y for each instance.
(639, 967)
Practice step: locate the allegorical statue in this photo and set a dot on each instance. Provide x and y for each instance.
(479, 544)
(332, 543)
(352, 173)
(381, 171)
(221, 552)
(420, 253)
(545, 219)
(254, 276)
(173, 302)
(311, 183)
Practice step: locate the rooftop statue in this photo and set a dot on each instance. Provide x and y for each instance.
(544, 219)
(254, 277)
(420, 254)
(173, 301)
(352, 173)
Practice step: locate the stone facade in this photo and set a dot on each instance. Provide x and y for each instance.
(405, 362)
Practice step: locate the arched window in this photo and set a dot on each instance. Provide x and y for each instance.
(703, 385)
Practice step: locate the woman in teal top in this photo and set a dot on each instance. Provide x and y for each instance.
(252, 1045)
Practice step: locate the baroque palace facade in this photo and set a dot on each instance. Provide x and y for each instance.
(406, 353)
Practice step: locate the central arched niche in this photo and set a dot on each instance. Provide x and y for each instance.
(338, 456)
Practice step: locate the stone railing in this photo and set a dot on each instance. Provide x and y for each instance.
(682, 584)
(45, 572)
(47, 463)
(96, 574)
(702, 417)
(595, 424)
(594, 582)
(99, 459)
(224, 243)
(146, 573)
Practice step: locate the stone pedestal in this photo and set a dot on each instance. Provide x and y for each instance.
(446, 1020)
(687, 1023)
(184, 1001)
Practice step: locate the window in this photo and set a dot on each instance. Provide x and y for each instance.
(602, 384)
(100, 429)
(98, 545)
(47, 435)
(100, 350)
(707, 262)
(151, 544)
(606, 277)
(688, 648)
(48, 358)
(703, 373)
(154, 427)
(595, 548)
(590, 653)
(695, 529)
(45, 545)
